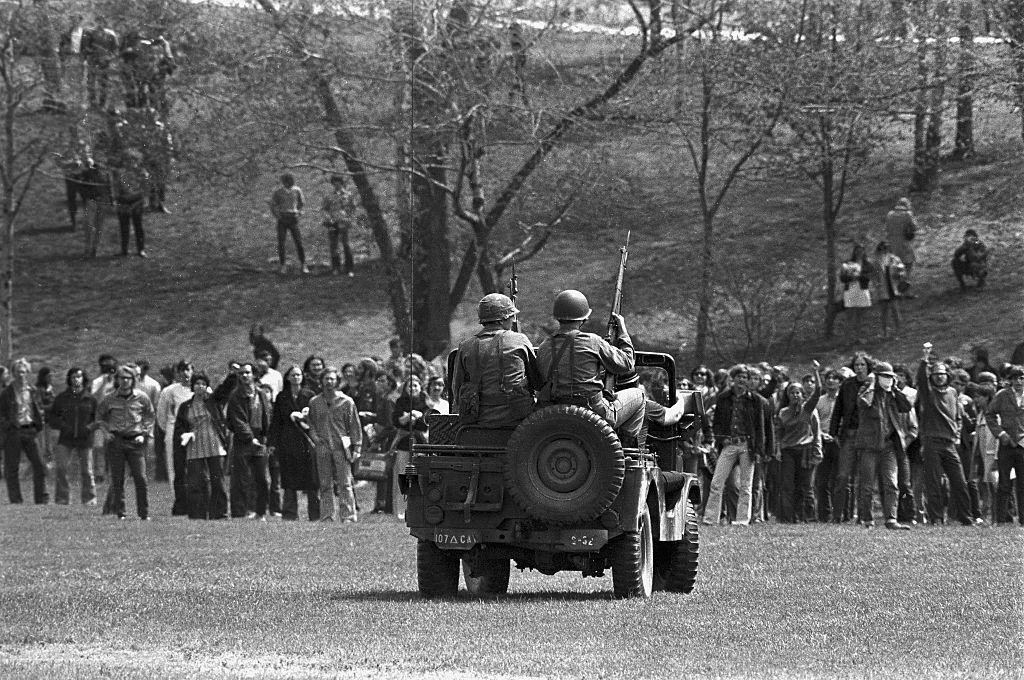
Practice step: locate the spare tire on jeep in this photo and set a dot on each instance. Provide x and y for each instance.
(564, 465)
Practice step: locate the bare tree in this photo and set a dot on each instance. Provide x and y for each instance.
(728, 99)
(26, 140)
(845, 84)
(452, 71)
(1010, 15)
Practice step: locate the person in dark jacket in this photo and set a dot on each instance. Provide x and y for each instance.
(290, 441)
(21, 419)
(740, 433)
(73, 416)
(843, 427)
(248, 416)
(201, 439)
(1005, 419)
(881, 434)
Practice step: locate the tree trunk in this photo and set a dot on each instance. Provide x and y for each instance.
(918, 181)
(7, 235)
(937, 97)
(706, 293)
(963, 145)
(828, 223)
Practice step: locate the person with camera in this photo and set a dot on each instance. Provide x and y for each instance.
(942, 419)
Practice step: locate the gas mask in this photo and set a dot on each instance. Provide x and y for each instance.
(886, 382)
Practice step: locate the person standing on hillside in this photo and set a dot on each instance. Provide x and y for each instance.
(889, 273)
(901, 230)
(131, 186)
(339, 208)
(286, 204)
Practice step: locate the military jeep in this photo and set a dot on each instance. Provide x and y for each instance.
(558, 492)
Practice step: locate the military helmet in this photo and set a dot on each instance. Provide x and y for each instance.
(496, 307)
(571, 305)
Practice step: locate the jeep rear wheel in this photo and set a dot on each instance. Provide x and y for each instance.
(437, 571)
(565, 465)
(632, 558)
(493, 577)
(675, 562)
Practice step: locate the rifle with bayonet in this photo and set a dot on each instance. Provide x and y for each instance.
(513, 291)
(612, 334)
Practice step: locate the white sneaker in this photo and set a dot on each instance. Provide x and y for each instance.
(305, 269)
(251, 515)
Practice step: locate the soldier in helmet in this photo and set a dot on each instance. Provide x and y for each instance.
(496, 374)
(131, 186)
(574, 365)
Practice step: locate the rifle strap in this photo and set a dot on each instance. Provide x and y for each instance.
(553, 368)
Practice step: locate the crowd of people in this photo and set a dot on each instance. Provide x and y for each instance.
(245, 446)
(936, 442)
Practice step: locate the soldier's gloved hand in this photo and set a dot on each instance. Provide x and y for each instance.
(620, 324)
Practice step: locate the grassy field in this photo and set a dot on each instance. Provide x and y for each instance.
(86, 596)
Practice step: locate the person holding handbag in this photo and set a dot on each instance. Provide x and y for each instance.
(855, 274)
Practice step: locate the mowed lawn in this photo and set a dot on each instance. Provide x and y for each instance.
(84, 595)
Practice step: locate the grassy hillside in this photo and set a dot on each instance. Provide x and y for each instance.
(213, 272)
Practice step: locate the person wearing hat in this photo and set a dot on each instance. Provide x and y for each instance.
(127, 415)
(901, 230)
(496, 374)
(942, 418)
(970, 259)
(574, 365)
(881, 436)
